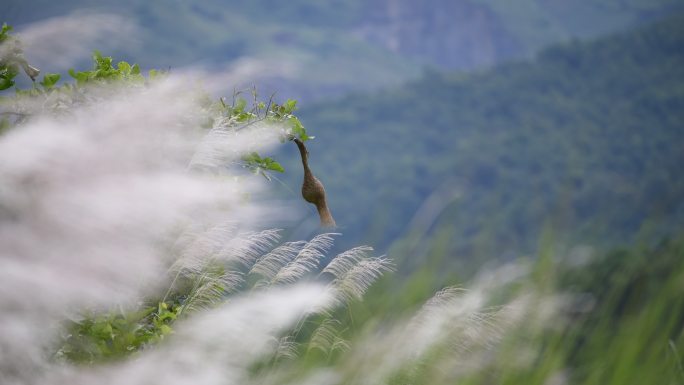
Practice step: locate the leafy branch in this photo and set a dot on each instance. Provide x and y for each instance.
(236, 115)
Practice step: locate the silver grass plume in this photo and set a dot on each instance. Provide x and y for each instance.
(346, 260)
(270, 264)
(326, 338)
(285, 348)
(194, 243)
(213, 260)
(92, 196)
(88, 198)
(306, 260)
(220, 244)
(455, 333)
(247, 248)
(354, 283)
(210, 289)
(214, 347)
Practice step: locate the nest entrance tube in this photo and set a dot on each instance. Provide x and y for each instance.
(313, 190)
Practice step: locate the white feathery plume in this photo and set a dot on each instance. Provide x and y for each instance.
(356, 281)
(202, 244)
(91, 194)
(209, 289)
(215, 347)
(457, 320)
(307, 259)
(455, 317)
(346, 260)
(87, 200)
(214, 152)
(285, 348)
(270, 264)
(246, 248)
(326, 337)
(220, 245)
(216, 249)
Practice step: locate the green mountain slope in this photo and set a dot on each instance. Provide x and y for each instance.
(308, 49)
(588, 139)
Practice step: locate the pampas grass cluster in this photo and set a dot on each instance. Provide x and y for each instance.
(101, 211)
(105, 203)
(102, 208)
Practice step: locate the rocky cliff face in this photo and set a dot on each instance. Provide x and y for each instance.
(458, 34)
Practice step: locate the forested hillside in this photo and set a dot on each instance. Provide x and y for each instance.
(307, 49)
(587, 140)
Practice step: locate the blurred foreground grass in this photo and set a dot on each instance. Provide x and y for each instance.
(615, 319)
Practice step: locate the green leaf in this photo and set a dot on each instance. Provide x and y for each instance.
(165, 329)
(49, 80)
(290, 106)
(80, 76)
(103, 64)
(4, 32)
(252, 157)
(257, 163)
(97, 58)
(124, 67)
(5, 83)
(240, 105)
(7, 74)
(298, 129)
(271, 164)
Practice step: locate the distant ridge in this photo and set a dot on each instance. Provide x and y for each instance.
(336, 47)
(587, 139)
